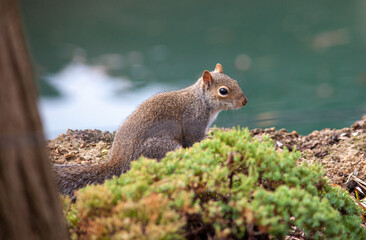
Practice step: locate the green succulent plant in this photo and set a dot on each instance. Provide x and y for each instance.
(231, 186)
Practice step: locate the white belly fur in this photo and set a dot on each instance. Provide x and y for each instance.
(212, 118)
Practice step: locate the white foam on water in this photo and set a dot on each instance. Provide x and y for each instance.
(89, 99)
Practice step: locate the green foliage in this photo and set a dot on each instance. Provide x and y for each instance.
(239, 186)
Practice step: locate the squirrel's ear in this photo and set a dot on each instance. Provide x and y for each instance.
(206, 79)
(219, 68)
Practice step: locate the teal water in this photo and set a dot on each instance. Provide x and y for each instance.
(302, 64)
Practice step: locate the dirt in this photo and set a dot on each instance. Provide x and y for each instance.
(340, 151)
(80, 147)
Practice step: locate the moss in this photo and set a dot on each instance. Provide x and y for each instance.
(231, 186)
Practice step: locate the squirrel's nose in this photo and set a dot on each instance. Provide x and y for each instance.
(245, 101)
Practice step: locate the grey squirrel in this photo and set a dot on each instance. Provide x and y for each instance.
(162, 123)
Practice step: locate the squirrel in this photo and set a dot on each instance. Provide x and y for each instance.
(162, 123)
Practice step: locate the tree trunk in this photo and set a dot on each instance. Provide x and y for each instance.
(29, 204)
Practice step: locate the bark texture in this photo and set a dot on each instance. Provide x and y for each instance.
(29, 204)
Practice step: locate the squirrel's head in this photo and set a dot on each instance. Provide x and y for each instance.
(222, 92)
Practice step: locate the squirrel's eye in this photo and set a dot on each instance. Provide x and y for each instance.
(223, 91)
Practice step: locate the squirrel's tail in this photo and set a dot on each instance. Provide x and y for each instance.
(72, 177)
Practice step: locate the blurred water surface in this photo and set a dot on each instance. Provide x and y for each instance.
(302, 64)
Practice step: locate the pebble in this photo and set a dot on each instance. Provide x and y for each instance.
(279, 144)
(294, 133)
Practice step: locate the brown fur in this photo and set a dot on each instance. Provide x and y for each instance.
(161, 124)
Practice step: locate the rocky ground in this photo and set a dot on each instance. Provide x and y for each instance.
(340, 151)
